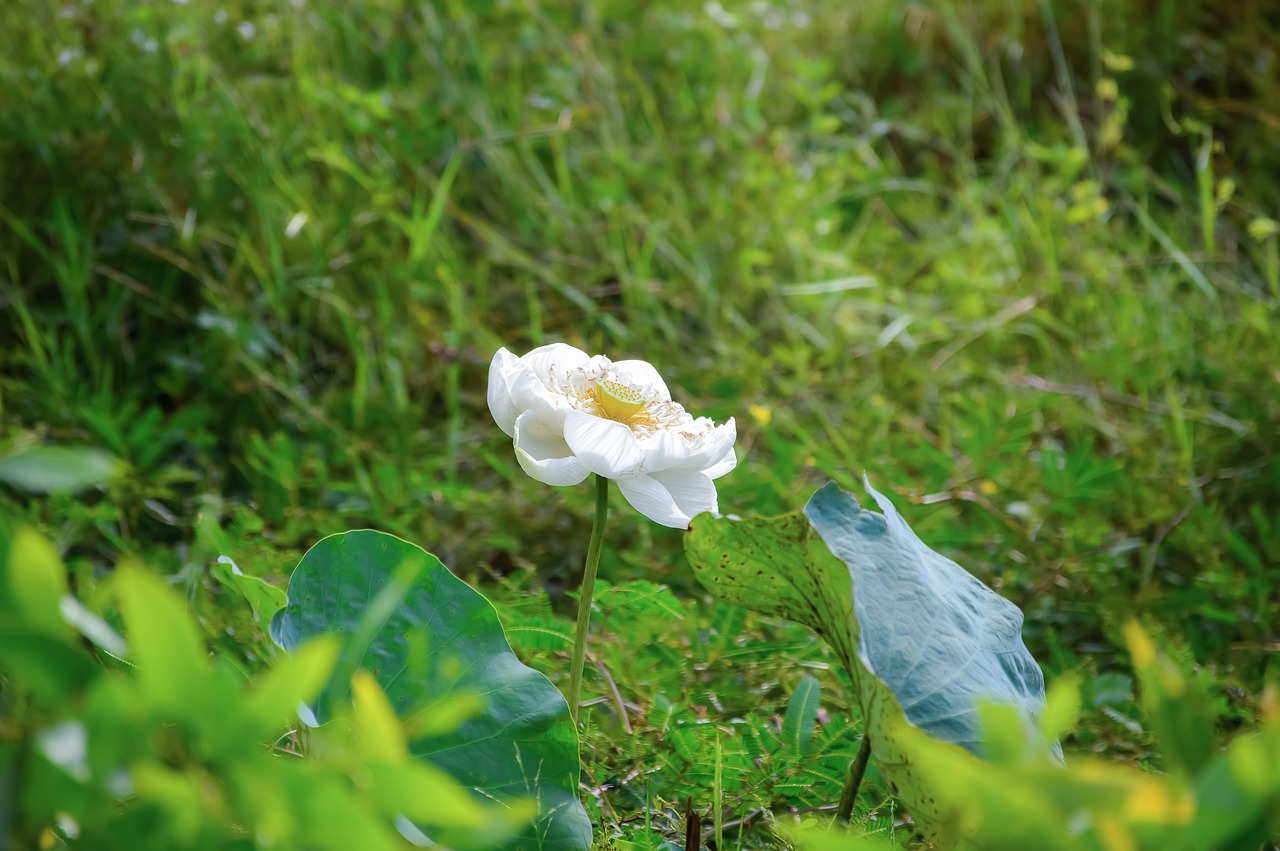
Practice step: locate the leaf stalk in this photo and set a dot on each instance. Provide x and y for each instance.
(857, 768)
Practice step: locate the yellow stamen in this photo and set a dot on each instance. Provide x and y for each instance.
(618, 401)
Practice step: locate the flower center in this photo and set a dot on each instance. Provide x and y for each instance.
(618, 401)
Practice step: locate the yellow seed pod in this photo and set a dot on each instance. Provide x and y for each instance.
(618, 401)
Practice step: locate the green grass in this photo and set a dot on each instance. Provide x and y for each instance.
(1009, 259)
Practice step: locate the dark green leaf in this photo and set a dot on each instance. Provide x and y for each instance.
(427, 637)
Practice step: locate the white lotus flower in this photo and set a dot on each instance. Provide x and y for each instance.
(572, 414)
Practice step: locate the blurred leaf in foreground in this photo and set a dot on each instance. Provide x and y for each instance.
(49, 469)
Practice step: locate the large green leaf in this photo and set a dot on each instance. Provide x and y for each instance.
(432, 643)
(935, 635)
(924, 642)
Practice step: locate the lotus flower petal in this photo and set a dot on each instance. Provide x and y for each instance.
(571, 414)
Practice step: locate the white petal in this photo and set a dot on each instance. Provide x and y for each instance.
(500, 404)
(603, 446)
(543, 453)
(713, 447)
(529, 393)
(639, 373)
(556, 357)
(665, 450)
(651, 499)
(724, 465)
(693, 492)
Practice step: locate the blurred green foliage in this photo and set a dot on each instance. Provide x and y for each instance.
(152, 746)
(1229, 801)
(1020, 257)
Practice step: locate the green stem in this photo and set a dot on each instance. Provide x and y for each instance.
(856, 769)
(584, 595)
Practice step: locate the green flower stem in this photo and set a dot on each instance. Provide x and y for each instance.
(584, 595)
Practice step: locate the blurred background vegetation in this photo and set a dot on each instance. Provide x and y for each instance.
(1017, 261)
